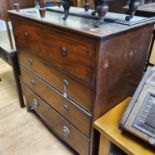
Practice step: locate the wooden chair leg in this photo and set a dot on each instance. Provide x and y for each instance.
(9, 34)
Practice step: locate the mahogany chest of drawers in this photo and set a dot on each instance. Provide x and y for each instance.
(73, 73)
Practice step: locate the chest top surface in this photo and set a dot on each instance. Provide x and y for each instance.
(82, 22)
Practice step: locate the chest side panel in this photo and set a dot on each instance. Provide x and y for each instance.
(121, 65)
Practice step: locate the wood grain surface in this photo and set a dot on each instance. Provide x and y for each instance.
(108, 126)
(21, 133)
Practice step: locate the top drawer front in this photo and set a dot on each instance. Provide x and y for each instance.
(71, 53)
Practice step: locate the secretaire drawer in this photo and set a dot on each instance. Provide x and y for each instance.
(73, 54)
(57, 123)
(71, 88)
(73, 113)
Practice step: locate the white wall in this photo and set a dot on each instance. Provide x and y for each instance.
(2, 26)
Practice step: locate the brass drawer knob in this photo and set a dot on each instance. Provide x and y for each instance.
(33, 105)
(66, 108)
(30, 61)
(64, 51)
(66, 131)
(65, 88)
(33, 82)
(26, 34)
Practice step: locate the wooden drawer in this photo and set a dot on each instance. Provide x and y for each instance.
(73, 54)
(64, 106)
(57, 123)
(76, 91)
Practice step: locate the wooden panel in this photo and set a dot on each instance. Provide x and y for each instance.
(23, 3)
(3, 9)
(78, 92)
(6, 5)
(57, 101)
(114, 6)
(121, 66)
(117, 5)
(58, 124)
(71, 53)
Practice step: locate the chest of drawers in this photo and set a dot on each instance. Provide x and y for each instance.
(73, 73)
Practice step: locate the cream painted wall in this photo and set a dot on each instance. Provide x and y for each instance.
(152, 59)
(2, 26)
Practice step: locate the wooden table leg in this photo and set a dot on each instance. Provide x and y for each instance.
(104, 146)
